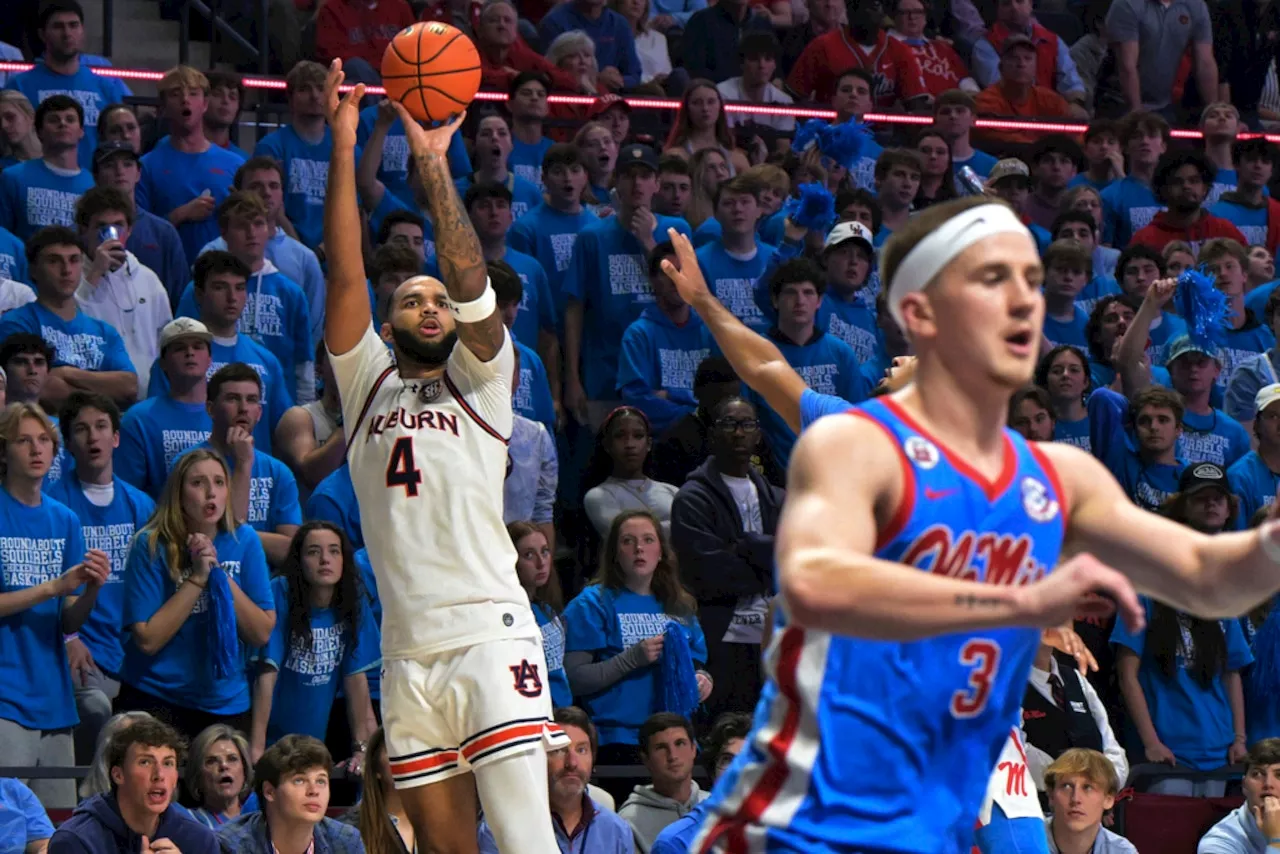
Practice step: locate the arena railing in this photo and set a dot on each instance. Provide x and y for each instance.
(265, 83)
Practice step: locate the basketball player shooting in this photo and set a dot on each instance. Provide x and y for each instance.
(464, 704)
(918, 558)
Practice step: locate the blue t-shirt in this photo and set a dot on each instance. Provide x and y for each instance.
(553, 649)
(525, 160)
(22, 817)
(276, 315)
(334, 500)
(1167, 327)
(606, 623)
(1190, 719)
(1256, 299)
(296, 263)
(1082, 178)
(109, 529)
(275, 388)
(980, 162)
(273, 491)
(1223, 182)
(83, 342)
(394, 171)
(827, 365)
(1067, 331)
(308, 678)
(13, 257)
(153, 434)
(37, 544)
(863, 173)
(1252, 222)
(1214, 438)
(182, 671)
(32, 196)
(608, 274)
(306, 178)
(658, 356)
(92, 91)
(525, 196)
(537, 305)
(171, 178)
(1254, 483)
(815, 405)
(533, 395)
(735, 282)
(369, 589)
(1097, 288)
(1127, 206)
(1073, 433)
(853, 323)
(1241, 345)
(548, 235)
(1147, 484)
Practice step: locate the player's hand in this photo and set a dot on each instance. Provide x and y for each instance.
(1065, 639)
(240, 441)
(575, 399)
(652, 648)
(705, 686)
(204, 557)
(423, 141)
(1079, 588)
(342, 111)
(1159, 754)
(1267, 815)
(80, 661)
(686, 274)
(387, 114)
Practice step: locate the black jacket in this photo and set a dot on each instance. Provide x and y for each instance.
(718, 560)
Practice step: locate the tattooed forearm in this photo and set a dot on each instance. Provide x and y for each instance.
(981, 603)
(457, 248)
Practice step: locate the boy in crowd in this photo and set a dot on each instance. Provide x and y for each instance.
(1055, 160)
(669, 752)
(1104, 161)
(302, 147)
(1181, 182)
(276, 313)
(1129, 203)
(848, 307)
(532, 396)
(675, 186)
(117, 288)
(1148, 471)
(185, 177)
(1082, 785)
(661, 351)
(1138, 269)
(527, 102)
(897, 181)
(1227, 260)
(110, 513)
(43, 191)
(226, 97)
(1247, 206)
(1067, 269)
(91, 355)
(25, 358)
(734, 262)
(953, 116)
(152, 239)
(1255, 477)
(1220, 124)
(1083, 228)
(156, 431)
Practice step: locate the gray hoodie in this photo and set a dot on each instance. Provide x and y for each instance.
(648, 812)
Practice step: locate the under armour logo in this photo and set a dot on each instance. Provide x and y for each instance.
(528, 683)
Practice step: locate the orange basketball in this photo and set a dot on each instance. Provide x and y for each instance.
(433, 69)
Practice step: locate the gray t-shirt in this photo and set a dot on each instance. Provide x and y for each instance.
(1163, 33)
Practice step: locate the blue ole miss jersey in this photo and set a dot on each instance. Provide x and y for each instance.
(875, 746)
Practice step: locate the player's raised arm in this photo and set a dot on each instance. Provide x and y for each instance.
(1208, 576)
(458, 251)
(346, 306)
(844, 486)
(758, 362)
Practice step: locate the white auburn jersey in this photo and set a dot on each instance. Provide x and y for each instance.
(428, 460)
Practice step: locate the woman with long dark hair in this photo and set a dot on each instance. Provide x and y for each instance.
(937, 179)
(535, 565)
(617, 478)
(617, 627)
(1063, 372)
(380, 815)
(1180, 677)
(701, 123)
(325, 638)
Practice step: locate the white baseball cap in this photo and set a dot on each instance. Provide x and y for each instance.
(1266, 396)
(848, 230)
(184, 327)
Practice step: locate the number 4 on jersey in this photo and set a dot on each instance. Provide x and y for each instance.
(401, 470)
(983, 655)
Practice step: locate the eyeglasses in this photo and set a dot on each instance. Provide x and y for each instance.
(732, 425)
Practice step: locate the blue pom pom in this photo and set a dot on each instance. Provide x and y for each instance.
(814, 208)
(679, 679)
(807, 134)
(844, 143)
(1265, 676)
(1202, 306)
(223, 639)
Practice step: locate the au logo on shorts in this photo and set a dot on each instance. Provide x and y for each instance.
(528, 682)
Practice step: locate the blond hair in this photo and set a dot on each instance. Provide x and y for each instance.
(1215, 248)
(182, 77)
(771, 176)
(168, 524)
(193, 773)
(11, 418)
(1090, 764)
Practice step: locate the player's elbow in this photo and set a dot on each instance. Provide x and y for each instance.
(807, 594)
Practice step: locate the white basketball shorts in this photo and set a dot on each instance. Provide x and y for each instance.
(448, 713)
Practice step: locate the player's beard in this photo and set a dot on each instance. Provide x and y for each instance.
(428, 354)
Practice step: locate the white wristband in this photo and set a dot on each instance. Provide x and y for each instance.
(1266, 539)
(478, 309)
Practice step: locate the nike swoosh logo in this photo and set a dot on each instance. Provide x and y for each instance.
(937, 494)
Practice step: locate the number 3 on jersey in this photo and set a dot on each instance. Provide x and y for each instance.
(401, 469)
(983, 655)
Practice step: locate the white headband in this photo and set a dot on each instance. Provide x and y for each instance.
(942, 245)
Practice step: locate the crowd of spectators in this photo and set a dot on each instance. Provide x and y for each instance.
(172, 447)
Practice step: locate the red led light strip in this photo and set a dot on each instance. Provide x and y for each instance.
(277, 84)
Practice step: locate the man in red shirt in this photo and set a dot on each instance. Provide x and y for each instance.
(503, 54)
(1181, 183)
(359, 30)
(862, 44)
